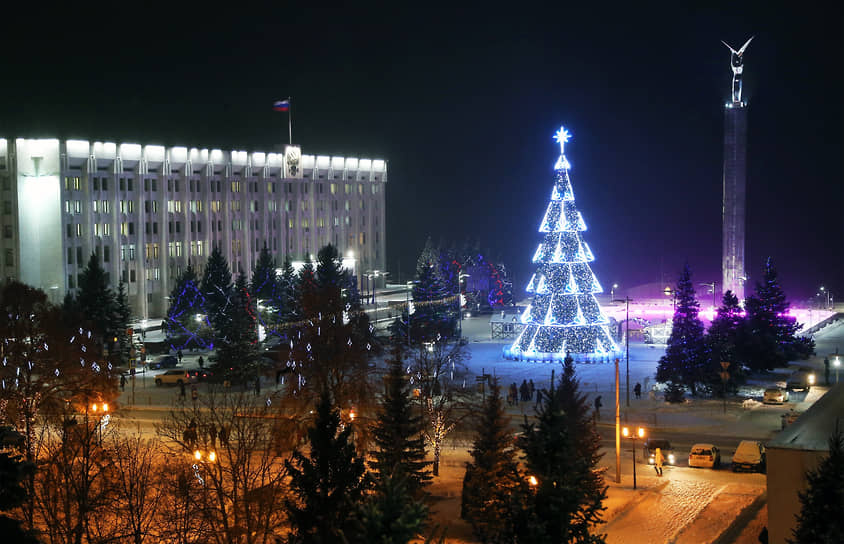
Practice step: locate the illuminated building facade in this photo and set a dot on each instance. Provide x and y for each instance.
(146, 210)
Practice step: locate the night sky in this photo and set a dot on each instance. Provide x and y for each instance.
(463, 103)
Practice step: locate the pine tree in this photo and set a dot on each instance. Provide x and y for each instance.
(564, 315)
(286, 295)
(685, 360)
(492, 486)
(770, 338)
(328, 482)
(122, 315)
(187, 313)
(264, 277)
(561, 452)
(434, 315)
(237, 357)
(820, 520)
(95, 300)
(306, 288)
(14, 472)
(397, 433)
(216, 286)
(391, 514)
(722, 340)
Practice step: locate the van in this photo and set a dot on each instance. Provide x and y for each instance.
(749, 455)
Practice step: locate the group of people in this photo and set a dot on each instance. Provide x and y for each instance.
(189, 435)
(522, 393)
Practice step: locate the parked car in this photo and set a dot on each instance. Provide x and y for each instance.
(165, 361)
(199, 374)
(651, 444)
(801, 379)
(749, 455)
(775, 395)
(705, 456)
(172, 377)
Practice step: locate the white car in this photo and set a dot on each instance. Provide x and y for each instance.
(775, 395)
(749, 455)
(705, 456)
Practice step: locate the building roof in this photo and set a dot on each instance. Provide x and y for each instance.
(812, 430)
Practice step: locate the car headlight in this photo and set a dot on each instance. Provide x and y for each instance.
(671, 458)
(811, 379)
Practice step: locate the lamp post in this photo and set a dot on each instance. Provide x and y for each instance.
(101, 408)
(617, 429)
(640, 433)
(837, 364)
(627, 301)
(460, 278)
(612, 290)
(410, 309)
(711, 285)
(200, 456)
(672, 293)
(825, 291)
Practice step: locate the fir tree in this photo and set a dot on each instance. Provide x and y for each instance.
(186, 303)
(770, 339)
(391, 514)
(561, 451)
(434, 316)
(216, 286)
(286, 294)
(14, 472)
(722, 340)
(328, 482)
(397, 433)
(306, 288)
(330, 280)
(820, 520)
(263, 277)
(237, 357)
(122, 315)
(492, 485)
(95, 301)
(685, 359)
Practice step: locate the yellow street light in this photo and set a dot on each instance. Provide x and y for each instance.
(533, 481)
(628, 433)
(197, 455)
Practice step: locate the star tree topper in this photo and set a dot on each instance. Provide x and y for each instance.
(562, 136)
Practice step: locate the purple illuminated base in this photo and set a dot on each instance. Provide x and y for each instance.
(537, 357)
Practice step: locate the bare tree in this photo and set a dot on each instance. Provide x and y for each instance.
(228, 443)
(439, 374)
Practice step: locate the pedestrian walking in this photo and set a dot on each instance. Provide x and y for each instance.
(524, 391)
(201, 362)
(179, 355)
(514, 393)
(658, 460)
(194, 394)
(182, 391)
(598, 405)
(224, 436)
(637, 390)
(532, 388)
(123, 382)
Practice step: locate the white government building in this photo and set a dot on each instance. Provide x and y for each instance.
(146, 210)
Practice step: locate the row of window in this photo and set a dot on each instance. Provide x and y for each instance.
(74, 183)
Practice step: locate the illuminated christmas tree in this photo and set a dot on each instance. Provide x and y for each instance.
(564, 316)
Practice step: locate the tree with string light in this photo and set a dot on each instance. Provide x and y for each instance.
(564, 316)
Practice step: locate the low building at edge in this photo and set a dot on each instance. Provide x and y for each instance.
(799, 447)
(146, 210)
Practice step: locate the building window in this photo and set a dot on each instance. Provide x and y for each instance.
(79, 256)
(7, 232)
(69, 255)
(96, 183)
(71, 283)
(132, 276)
(79, 229)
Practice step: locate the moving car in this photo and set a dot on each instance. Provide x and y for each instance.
(165, 361)
(650, 446)
(705, 456)
(775, 395)
(749, 455)
(172, 377)
(199, 374)
(801, 379)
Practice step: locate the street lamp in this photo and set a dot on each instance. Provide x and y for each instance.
(672, 293)
(460, 278)
(826, 292)
(711, 285)
(612, 290)
(640, 433)
(627, 301)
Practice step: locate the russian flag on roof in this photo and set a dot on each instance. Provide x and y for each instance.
(281, 105)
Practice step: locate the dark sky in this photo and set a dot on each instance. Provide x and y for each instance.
(463, 102)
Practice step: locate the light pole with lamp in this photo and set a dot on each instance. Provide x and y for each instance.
(617, 428)
(711, 285)
(627, 301)
(673, 294)
(825, 291)
(460, 278)
(640, 433)
(612, 290)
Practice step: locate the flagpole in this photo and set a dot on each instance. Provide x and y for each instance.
(290, 119)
